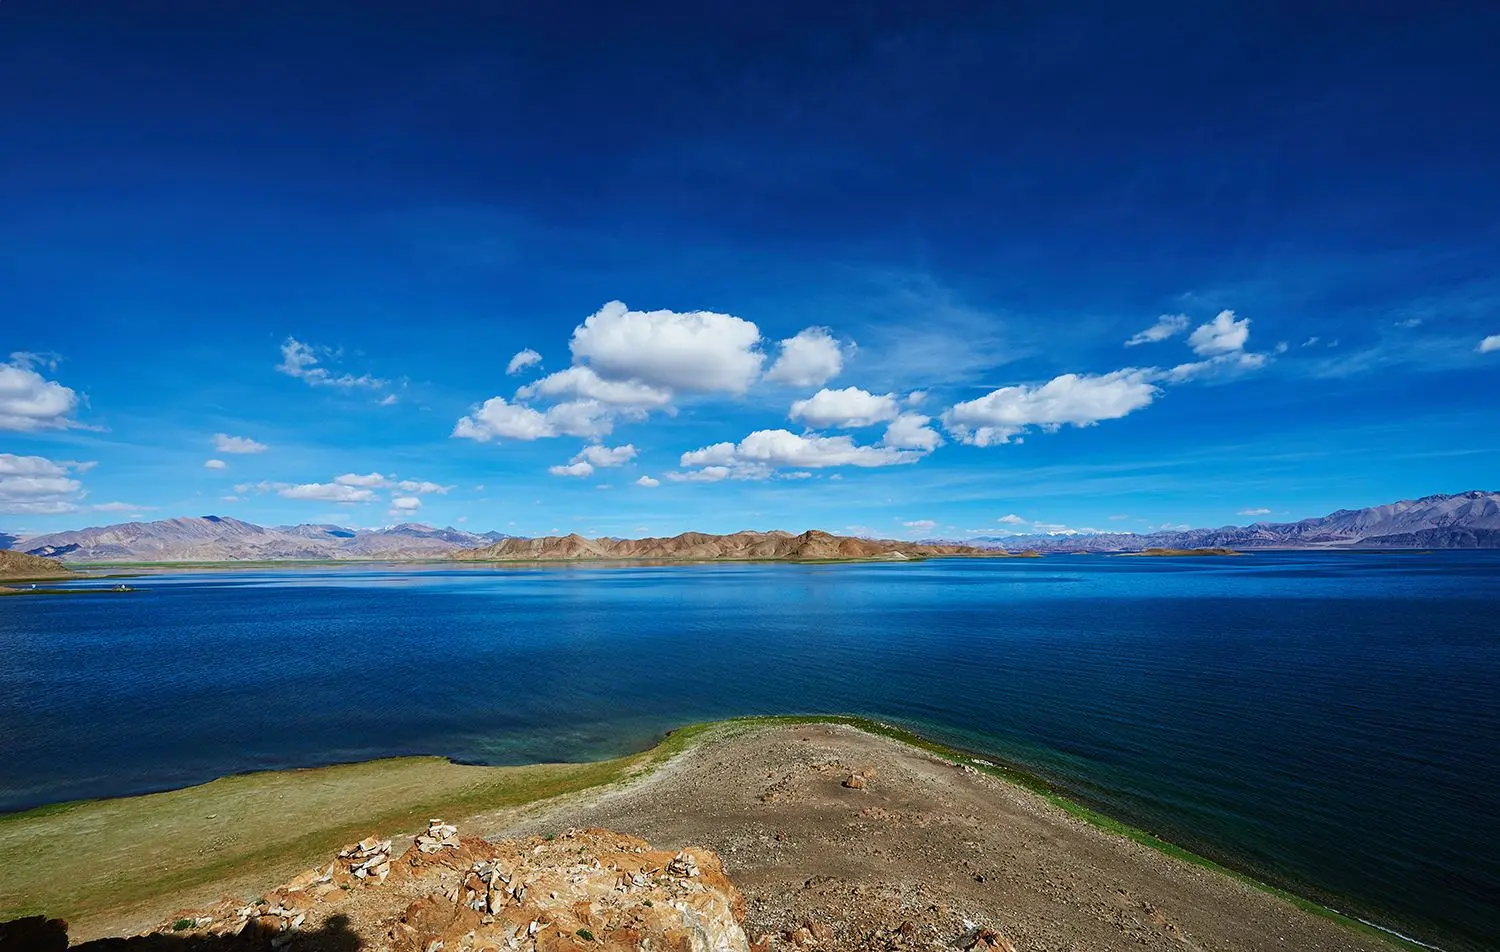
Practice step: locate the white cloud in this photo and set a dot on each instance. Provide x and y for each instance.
(648, 482)
(915, 398)
(810, 359)
(756, 454)
(225, 443)
(1071, 399)
(28, 401)
(1222, 335)
(421, 487)
(303, 361)
(326, 492)
(215, 464)
(496, 418)
(1489, 344)
(922, 525)
(1168, 325)
(580, 469)
(522, 360)
(1311, 341)
(119, 507)
(697, 351)
(389, 400)
(910, 431)
(708, 474)
(1012, 520)
(850, 407)
(1255, 512)
(1235, 362)
(12, 465)
(583, 383)
(35, 485)
(606, 456)
(405, 504)
(588, 418)
(372, 480)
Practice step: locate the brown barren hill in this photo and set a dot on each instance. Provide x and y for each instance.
(20, 567)
(812, 545)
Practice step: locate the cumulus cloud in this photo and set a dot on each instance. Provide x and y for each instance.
(1168, 325)
(225, 443)
(498, 419)
(422, 487)
(35, 485)
(648, 482)
(606, 456)
(1255, 512)
(327, 492)
(30, 402)
(583, 383)
(1012, 520)
(810, 359)
(1071, 399)
(595, 456)
(1489, 345)
(579, 468)
(369, 481)
(758, 454)
(1222, 335)
(850, 407)
(305, 362)
(406, 504)
(695, 351)
(522, 360)
(921, 525)
(910, 431)
(708, 474)
(215, 464)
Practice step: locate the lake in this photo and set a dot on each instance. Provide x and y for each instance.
(1328, 722)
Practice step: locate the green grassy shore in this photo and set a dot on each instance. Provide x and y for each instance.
(101, 860)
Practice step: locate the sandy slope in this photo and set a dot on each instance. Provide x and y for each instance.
(929, 844)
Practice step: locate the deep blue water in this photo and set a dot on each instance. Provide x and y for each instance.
(1331, 722)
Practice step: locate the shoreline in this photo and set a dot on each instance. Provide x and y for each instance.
(538, 784)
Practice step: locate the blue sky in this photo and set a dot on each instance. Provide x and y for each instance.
(307, 240)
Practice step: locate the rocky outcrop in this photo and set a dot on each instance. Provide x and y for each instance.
(812, 545)
(584, 889)
(20, 567)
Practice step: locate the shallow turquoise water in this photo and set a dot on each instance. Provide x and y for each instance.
(1331, 722)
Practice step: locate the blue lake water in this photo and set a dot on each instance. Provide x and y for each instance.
(1328, 722)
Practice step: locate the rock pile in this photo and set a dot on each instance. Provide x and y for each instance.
(582, 889)
(368, 859)
(439, 836)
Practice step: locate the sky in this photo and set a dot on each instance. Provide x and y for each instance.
(905, 270)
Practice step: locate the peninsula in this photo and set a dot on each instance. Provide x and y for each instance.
(839, 834)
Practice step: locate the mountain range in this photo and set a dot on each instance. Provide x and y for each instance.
(222, 539)
(1460, 520)
(1469, 520)
(811, 545)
